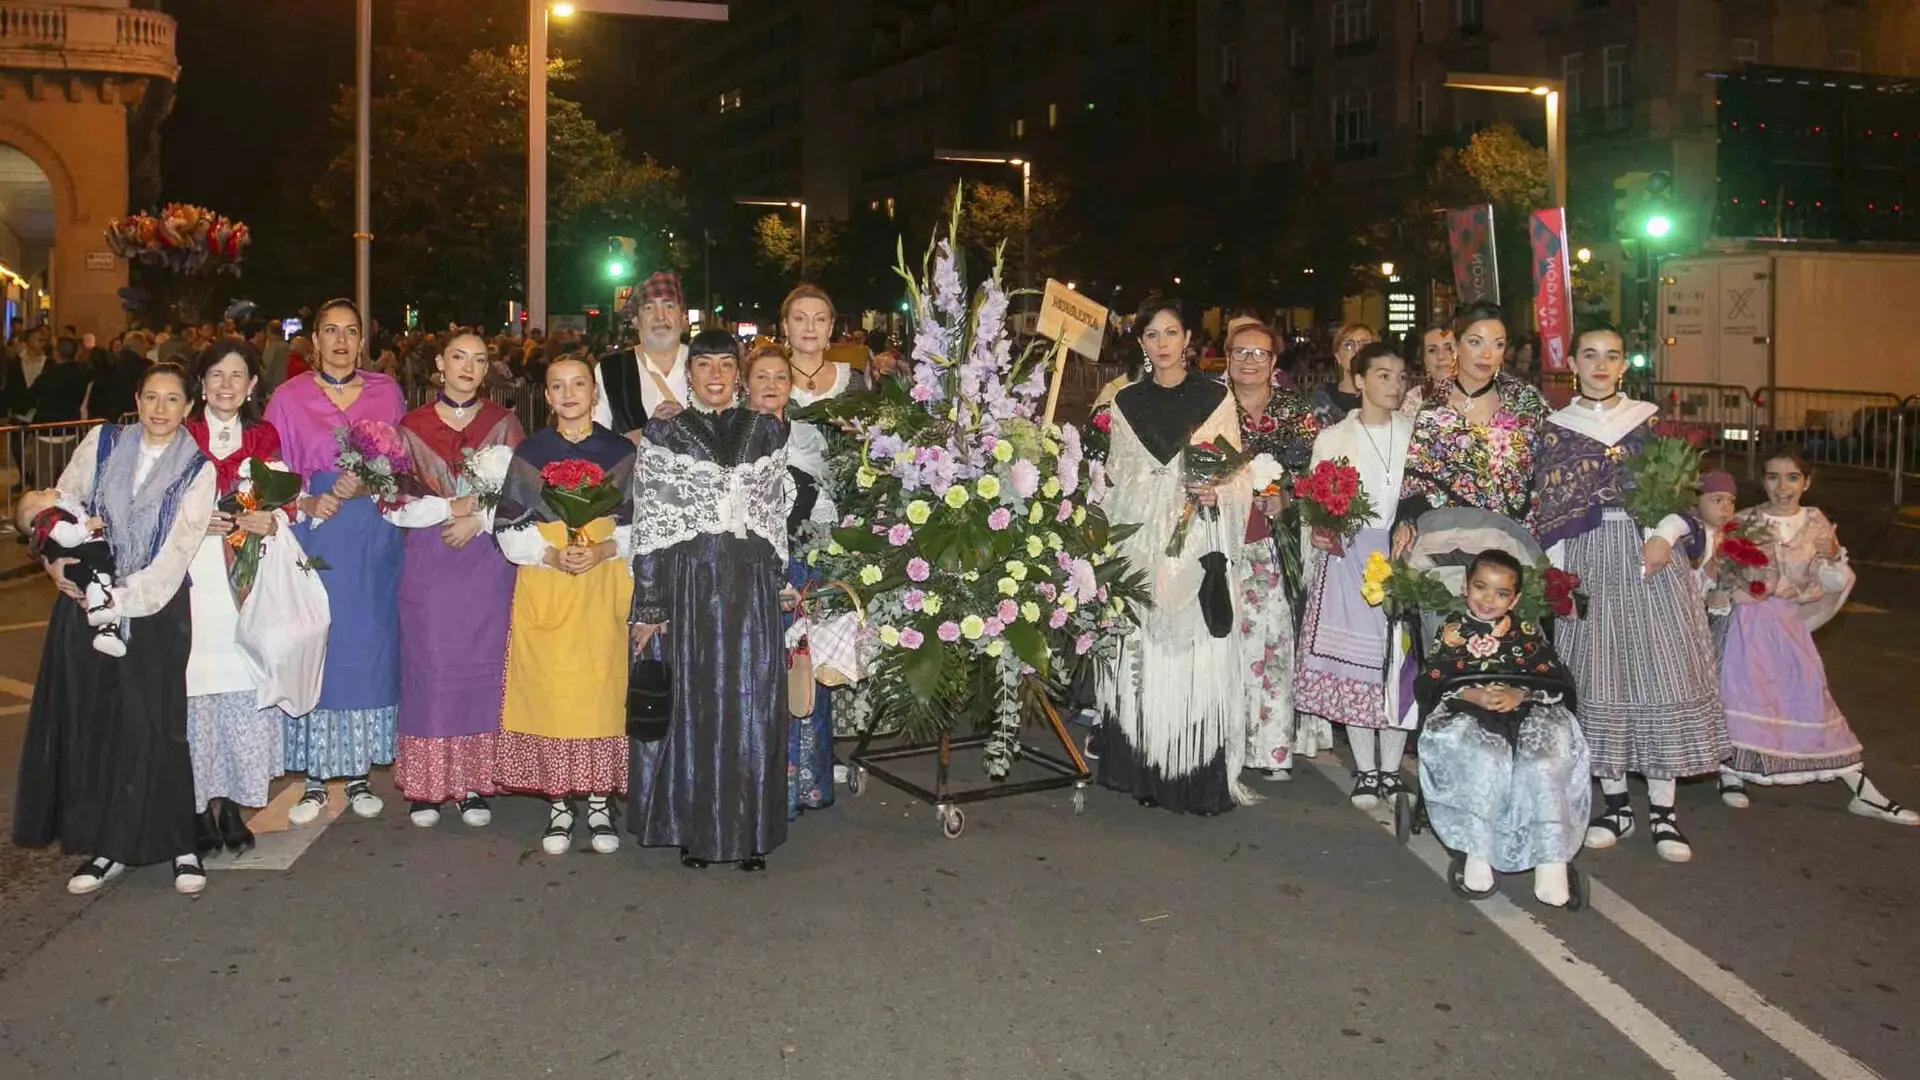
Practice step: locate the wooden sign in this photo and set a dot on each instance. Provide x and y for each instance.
(1072, 320)
(100, 260)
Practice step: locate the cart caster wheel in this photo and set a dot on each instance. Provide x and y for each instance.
(953, 822)
(1403, 826)
(1079, 800)
(857, 781)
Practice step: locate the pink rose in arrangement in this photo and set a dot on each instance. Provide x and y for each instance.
(917, 569)
(1058, 619)
(914, 599)
(1046, 590)
(1081, 644)
(999, 519)
(949, 631)
(911, 639)
(1065, 511)
(1009, 611)
(849, 521)
(1026, 478)
(900, 534)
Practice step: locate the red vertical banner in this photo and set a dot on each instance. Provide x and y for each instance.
(1476, 273)
(1552, 287)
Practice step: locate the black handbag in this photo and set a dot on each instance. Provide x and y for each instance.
(1216, 601)
(649, 694)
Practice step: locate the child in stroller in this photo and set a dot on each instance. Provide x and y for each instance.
(1504, 776)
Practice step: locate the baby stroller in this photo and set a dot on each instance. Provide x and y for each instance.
(1445, 545)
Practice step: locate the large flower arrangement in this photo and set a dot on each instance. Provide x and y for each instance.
(970, 528)
(183, 239)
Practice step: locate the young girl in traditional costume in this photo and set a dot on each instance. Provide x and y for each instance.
(1781, 719)
(1340, 666)
(1503, 765)
(1642, 659)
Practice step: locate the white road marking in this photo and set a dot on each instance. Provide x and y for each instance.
(276, 844)
(1850, 608)
(1795, 1038)
(16, 688)
(13, 710)
(11, 627)
(1606, 998)
(1591, 985)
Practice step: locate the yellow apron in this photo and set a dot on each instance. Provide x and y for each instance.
(567, 648)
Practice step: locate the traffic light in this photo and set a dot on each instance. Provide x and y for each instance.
(1643, 207)
(1657, 217)
(619, 264)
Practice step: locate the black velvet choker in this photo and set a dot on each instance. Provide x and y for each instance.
(1471, 394)
(330, 380)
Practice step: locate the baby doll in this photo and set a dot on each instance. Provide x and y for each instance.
(58, 529)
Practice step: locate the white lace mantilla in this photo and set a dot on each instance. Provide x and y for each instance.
(677, 498)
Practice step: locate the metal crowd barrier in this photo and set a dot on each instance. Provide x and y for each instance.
(33, 456)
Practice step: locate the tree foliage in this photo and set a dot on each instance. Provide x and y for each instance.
(1498, 166)
(449, 161)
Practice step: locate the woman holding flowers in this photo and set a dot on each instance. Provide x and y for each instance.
(1277, 426)
(1176, 730)
(1642, 657)
(1339, 673)
(562, 520)
(237, 746)
(710, 560)
(352, 728)
(1781, 719)
(456, 591)
(1474, 438)
(768, 382)
(105, 768)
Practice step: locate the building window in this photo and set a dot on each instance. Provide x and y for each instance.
(1746, 51)
(1614, 88)
(1353, 125)
(1419, 21)
(1297, 54)
(1571, 66)
(1053, 115)
(1846, 59)
(730, 100)
(1297, 135)
(889, 208)
(1352, 22)
(1469, 15)
(1230, 63)
(1230, 143)
(1419, 108)
(1018, 128)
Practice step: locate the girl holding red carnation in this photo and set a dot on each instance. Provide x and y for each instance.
(563, 729)
(1781, 719)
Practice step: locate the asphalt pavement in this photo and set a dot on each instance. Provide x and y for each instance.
(1293, 938)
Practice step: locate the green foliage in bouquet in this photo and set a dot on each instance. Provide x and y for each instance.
(971, 526)
(1664, 478)
(268, 489)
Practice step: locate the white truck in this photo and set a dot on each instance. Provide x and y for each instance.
(1831, 332)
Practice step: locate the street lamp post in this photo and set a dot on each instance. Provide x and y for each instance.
(362, 168)
(791, 204)
(1025, 165)
(1553, 95)
(537, 13)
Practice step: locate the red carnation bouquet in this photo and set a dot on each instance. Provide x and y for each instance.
(1560, 589)
(578, 493)
(1331, 499)
(1741, 565)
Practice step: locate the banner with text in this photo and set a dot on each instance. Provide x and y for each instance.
(1476, 272)
(1552, 287)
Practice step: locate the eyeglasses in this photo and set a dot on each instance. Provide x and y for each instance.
(1243, 353)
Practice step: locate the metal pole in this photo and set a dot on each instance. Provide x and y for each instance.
(362, 171)
(1556, 148)
(536, 164)
(803, 241)
(1899, 455)
(709, 268)
(1026, 226)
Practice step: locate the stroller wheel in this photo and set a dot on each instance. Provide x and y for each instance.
(1457, 879)
(1403, 824)
(1579, 890)
(1421, 822)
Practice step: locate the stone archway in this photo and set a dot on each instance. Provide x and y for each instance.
(27, 229)
(80, 149)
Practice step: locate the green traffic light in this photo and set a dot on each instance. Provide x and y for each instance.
(616, 269)
(1659, 226)
(1639, 360)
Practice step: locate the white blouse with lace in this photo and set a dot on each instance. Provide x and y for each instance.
(145, 591)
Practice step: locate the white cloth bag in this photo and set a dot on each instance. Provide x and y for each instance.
(283, 627)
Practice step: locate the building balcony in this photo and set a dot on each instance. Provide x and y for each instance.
(72, 39)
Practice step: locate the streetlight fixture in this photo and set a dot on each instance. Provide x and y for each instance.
(1585, 255)
(988, 157)
(538, 12)
(1553, 94)
(791, 204)
(1386, 269)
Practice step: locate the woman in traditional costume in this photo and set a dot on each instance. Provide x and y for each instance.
(351, 729)
(1503, 767)
(237, 745)
(806, 318)
(1439, 365)
(105, 768)
(1642, 657)
(456, 594)
(767, 380)
(1275, 422)
(1175, 731)
(710, 561)
(1781, 719)
(1473, 444)
(1339, 673)
(563, 730)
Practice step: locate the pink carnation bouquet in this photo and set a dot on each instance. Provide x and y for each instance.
(374, 452)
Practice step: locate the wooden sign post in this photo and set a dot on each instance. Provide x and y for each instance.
(1075, 324)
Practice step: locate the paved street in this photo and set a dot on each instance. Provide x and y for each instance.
(1294, 938)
